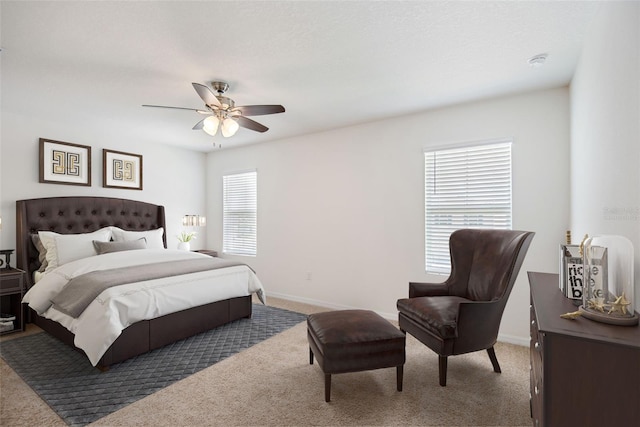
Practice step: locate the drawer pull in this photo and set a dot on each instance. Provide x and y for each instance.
(537, 346)
(535, 390)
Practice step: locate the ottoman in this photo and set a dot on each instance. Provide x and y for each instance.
(354, 340)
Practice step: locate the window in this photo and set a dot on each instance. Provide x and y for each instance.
(239, 223)
(465, 187)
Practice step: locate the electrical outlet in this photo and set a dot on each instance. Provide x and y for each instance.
(308, 276)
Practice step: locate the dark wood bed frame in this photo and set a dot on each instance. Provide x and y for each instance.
(70, 215)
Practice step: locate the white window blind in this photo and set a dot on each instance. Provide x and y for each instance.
(239, 224)
(468, 187)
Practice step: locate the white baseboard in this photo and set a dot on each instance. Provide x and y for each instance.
(509, 339)
(324, 304)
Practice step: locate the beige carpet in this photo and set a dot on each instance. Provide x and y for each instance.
(272, 383)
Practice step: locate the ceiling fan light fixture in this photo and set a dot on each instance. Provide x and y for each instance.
(222, 113)
(229, 127)
(210, 125)
(227, 103)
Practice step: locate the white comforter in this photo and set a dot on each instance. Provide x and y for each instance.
(118, 307)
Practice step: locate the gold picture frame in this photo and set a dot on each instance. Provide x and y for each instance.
(121, 170)
(64, 163)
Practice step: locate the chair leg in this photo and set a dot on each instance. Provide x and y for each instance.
(327, 387)
(399, 374)
(494, 360)
(310, 356)
(442, 365)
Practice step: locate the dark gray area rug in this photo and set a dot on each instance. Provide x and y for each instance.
(81, 394)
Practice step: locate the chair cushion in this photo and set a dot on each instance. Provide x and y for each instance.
(437, 314)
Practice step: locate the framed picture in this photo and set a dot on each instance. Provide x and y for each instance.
(64, 163)
(121, 170)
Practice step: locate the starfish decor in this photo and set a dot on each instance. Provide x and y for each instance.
(595, 305)
(620, 304)
(572, 315)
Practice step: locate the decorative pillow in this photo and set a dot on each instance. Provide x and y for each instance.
(154, 237)
(64, 248)
(42, 252)
(127, 245)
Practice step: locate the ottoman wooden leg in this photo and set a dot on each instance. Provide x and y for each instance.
(327, 387)
(399, 370)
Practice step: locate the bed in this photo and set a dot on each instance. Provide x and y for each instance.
(84, 215)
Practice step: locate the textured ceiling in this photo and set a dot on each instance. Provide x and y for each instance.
(330, 63)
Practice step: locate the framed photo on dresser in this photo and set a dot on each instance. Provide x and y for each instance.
(121, 170)
(64, 163)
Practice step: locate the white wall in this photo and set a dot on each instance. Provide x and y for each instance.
(605, 129)
(347, 205)
(172, 177)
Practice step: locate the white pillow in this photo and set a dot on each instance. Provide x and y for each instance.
(154, 237)
(64, 248)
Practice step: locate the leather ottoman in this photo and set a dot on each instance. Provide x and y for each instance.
(354, 340)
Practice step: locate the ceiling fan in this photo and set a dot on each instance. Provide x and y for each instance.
(222, 112)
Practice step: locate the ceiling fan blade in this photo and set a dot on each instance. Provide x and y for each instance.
(206, 94)
(259, 110)
(251, 124)
(179, 108)
(199, 125)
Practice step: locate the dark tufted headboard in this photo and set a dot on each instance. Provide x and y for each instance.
(70, 215)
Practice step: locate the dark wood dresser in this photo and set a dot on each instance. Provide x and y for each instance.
(583, 373)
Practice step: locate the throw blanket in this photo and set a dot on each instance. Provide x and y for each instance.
(74, 298)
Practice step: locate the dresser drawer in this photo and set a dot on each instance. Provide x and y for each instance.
(535, 400)
(535, 344)
(536, 370)
(536, 349)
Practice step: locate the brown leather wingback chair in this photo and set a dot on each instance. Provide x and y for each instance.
(463, 313)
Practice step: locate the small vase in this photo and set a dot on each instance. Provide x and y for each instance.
(184, 246)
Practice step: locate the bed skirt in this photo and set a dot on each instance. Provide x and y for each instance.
(148, 335)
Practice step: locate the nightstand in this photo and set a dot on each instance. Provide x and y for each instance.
(11, 293)
(207, 252)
